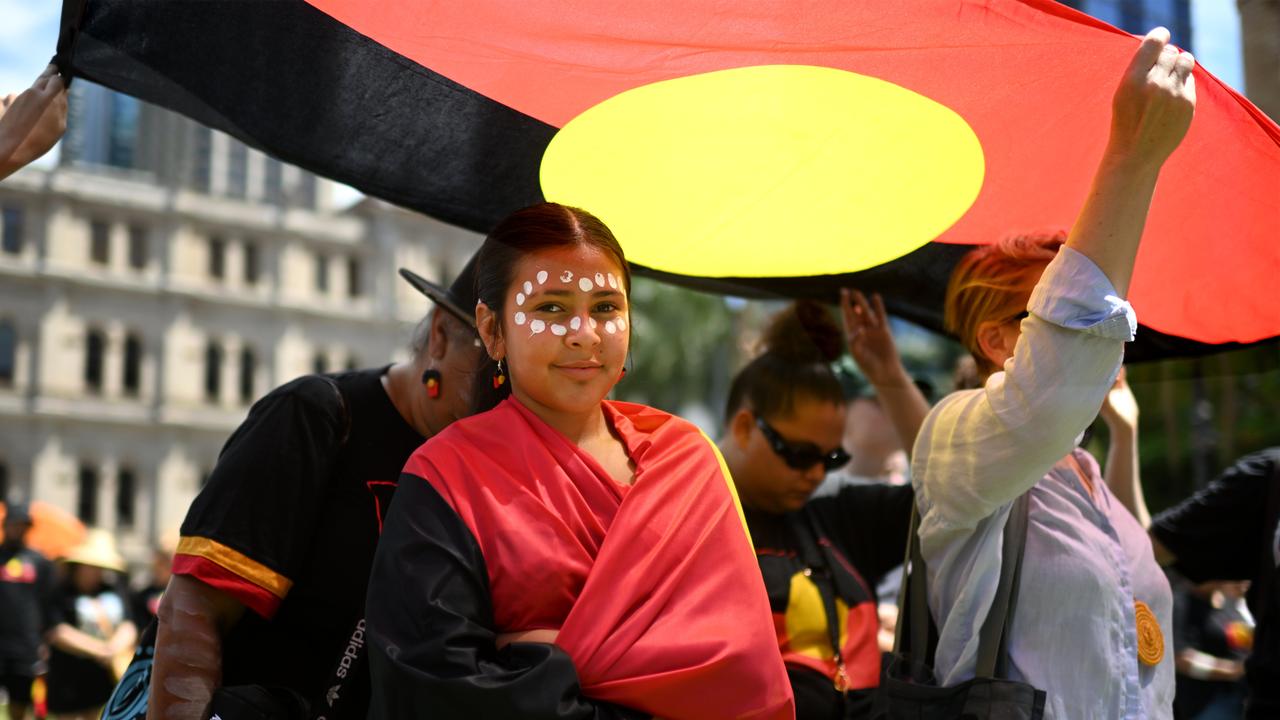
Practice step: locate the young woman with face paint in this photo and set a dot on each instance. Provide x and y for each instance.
(820, 557)
(559, 555)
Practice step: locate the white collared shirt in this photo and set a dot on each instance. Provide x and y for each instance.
(1086, 558)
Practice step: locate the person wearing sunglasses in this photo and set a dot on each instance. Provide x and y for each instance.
(820, 557)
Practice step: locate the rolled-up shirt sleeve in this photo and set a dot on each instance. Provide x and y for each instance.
(980, 449)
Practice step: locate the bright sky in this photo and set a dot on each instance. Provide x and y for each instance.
(29, 34)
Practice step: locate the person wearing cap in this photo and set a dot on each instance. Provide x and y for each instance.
(93, 634)
(264, 614)
(26, 583)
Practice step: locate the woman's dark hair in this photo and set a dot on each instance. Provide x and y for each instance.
(524, 232)
(800, 344)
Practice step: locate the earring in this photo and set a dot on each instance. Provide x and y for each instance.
(432, 379)
(499, 377)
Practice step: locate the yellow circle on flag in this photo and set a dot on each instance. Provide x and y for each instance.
(767, 171)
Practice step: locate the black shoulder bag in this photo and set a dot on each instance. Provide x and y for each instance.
(908, 688)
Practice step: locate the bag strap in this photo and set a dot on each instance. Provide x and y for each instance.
(914, 599)
(993, 638)
(823, 578)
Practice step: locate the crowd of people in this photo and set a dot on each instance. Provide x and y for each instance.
(479, 531)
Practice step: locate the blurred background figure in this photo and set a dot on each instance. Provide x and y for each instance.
(26, 581)
(146, 600)
(93, 634)
(1212, 634)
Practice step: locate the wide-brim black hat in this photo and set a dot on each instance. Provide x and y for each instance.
(459, 298)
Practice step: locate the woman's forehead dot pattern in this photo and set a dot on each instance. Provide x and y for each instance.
(585, 284)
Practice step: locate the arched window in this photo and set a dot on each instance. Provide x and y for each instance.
(248, 366)
(126, 497)
(8, 351)
(87, 497)
(132, 364)
(212, 371)
(94, 347)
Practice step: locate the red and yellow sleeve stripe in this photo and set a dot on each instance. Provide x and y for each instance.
(260, 588)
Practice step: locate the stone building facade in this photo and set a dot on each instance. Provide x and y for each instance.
(159, 280)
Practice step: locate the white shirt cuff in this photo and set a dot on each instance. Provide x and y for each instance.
(1075, 294)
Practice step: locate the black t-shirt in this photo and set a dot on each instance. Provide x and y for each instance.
(77, 683)
(26, 586)
(300, 490)
(1228, 531)
(861, 533)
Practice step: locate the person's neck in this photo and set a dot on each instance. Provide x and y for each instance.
(579, 427)
(400, 382)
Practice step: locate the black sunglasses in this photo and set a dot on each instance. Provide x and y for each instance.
(801, 456)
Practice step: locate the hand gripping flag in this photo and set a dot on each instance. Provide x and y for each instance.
(754, 148)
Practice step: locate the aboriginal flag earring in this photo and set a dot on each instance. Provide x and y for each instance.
(499, 377)
(432, 379)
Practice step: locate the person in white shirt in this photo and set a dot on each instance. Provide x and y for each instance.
(1094, 609)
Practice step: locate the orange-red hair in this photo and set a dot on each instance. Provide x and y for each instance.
(993, 282)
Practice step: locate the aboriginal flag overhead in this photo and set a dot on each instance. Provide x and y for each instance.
(754, 148)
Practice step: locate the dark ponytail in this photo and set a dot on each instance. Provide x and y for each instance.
(799, 346)
(522, 233)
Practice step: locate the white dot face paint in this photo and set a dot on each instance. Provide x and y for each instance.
(622, 324)
(559, 330)
(528, 288)
(520, 299)
(610, 327)
(542, 277)
(613, 281)
(600, 279)
(594, 324)
(537, 326)
(520, 318)
(585, 285)
(575, 324)
(566, 276)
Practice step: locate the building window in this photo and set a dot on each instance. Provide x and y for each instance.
(87, 499)
(352, 362)
(319, 363)
(126, 497)
(252, 263)
(100, 242)
(354, 288)
(273, 181)
(322, 274)
(307, 191)
(248, 366)
(123, 138)
(4, 481)
(237, 170)
(132, 380)
(95, 347)
(8, 353)
(217, 257)
(11, 229)
(212, 371)
(138, 249)
(202, 168)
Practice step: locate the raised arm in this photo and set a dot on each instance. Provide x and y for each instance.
(980, 449)
(1150, 114)
(866, 327)
(1120, 413)
(32, 121)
